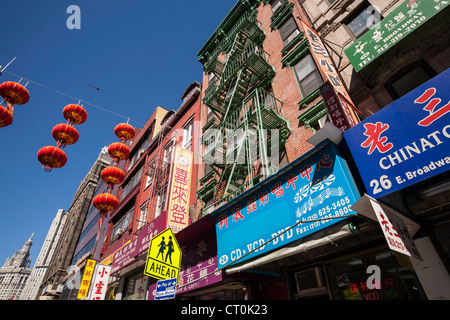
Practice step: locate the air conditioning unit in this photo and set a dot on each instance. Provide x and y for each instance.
(310, 282)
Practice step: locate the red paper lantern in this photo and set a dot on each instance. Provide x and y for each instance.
(51, 157)
(124, 131)
(112, 175)
(75, 114)
(6, 117)
(65, 134)
(105, 202)
(118, 150)
(14, 93)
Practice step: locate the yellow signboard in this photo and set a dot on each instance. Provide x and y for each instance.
(86, 280)
(178, 210)
(163, 257)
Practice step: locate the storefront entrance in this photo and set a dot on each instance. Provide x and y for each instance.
(346, 278)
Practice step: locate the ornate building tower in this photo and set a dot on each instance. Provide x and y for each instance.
(15, 272)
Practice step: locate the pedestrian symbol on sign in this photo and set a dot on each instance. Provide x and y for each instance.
(163, 257)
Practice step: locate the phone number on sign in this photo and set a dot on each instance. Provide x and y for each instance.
(340, 208)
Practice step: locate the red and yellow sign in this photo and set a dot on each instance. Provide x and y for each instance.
(86, 280)
(178, 210)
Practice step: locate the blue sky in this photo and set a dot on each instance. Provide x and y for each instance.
(140, 54)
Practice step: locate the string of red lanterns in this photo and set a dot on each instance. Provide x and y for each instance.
(14, 94)
(112, 175)
(64, 134)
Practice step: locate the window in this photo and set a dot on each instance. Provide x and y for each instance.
(161, 201)
(168, 152)
(276, 4)
(143, 215)
(209, 206)
(408, 79)
(321, 122)
(130, 185)
(150, 173)
(209, 115)
(289, 30)
(122, 225)
(308, 76)
(187, 134)
(211, 78)
(364, 18)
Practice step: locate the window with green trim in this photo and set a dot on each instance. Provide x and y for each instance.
(288, 30)
(308, 76)
(275, 4)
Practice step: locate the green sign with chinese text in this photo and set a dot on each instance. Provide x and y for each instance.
(409, 16)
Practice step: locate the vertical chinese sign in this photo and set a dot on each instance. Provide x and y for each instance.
(86, 280)
(100, 283)
(323, 60)
(178, 211)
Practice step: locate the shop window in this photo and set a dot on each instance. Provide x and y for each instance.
(136, 287)
(308, 76)
(408, 79)
(361, 20)
(289, 30)
(348, 278)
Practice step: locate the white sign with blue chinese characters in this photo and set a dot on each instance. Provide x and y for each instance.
(318, 185)
(406, 142)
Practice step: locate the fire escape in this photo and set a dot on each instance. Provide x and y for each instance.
(246, 116)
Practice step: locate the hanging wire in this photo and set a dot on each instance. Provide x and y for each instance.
(70, 77)
(72, 97)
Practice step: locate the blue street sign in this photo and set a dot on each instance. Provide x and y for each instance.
(166, 289)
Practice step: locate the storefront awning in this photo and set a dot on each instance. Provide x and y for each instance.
(322, 237)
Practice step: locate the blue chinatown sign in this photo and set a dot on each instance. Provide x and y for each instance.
(318, 185)
(406, 142)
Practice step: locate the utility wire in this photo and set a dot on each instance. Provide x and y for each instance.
(72, 97)
(72, 78)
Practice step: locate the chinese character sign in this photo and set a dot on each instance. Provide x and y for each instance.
(404, 20)
(100, 282)
(86, 280)
(405, 142)
(178, 210)
(334, 107)
(316, 186)
(395, 231)
(323, 60)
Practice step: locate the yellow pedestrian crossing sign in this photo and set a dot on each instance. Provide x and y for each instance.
(163, 257)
